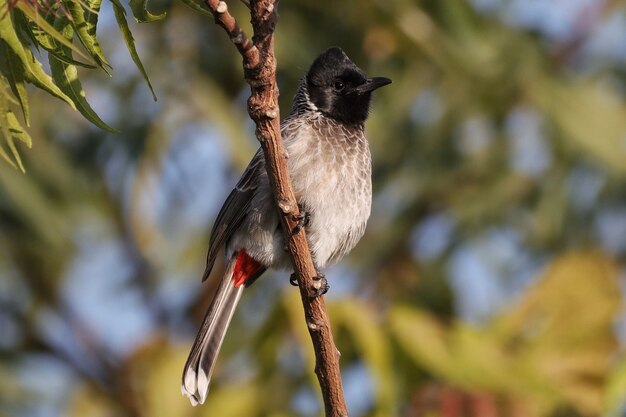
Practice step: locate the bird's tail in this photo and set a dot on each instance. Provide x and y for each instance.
(199, 366)
(241, 271)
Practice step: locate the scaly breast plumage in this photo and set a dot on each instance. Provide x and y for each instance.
(332, 182)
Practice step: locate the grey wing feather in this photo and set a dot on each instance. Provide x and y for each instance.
(234, 210)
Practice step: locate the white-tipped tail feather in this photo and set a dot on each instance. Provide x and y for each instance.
(199, 366)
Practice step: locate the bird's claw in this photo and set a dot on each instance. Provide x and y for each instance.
(303, 219)
(320, 285)
(293, 280)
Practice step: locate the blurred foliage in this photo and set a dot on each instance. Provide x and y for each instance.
(490, 280)
(531, 352)
(28, 26)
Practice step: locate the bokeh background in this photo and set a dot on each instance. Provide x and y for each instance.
(490, 281)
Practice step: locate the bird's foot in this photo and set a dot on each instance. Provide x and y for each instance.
(293, 279)
(320, 285)
(303, 219)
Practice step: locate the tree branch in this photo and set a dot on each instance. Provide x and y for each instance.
(260, 72)
(223, 18)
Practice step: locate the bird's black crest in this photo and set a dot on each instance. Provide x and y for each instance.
(338, 88)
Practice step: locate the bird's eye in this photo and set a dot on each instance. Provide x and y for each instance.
(339, 85)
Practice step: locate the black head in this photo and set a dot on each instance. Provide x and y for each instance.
(340, 89)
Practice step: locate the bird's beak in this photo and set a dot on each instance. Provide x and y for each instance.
(372, 84)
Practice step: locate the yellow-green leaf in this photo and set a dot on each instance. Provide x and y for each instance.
(47, 27)
(70, 60)
(4, 155)
(15, 153)
(4, 91)
(42, 39)
(120, 16)
(24, 26)
(141, 13)
(423, 339)
(12, 69)
(5, 129)
(66, 77)
(34, 72)
(84, 21)
(17, 131)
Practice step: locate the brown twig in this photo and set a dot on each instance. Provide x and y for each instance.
(247, 49)
(260, 73)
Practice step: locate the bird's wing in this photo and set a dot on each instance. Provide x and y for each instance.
(235, 209)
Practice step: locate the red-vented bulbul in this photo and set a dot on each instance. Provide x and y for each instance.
(329, 165)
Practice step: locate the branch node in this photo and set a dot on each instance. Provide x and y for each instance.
(271, 113)
(269, 8)
(239, 37)
(222, 7)
(313, 326)
(285, 206)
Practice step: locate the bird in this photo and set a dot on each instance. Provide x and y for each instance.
(329, 165)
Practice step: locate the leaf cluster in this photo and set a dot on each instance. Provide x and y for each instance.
(65, 31)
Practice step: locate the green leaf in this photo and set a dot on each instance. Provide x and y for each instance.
(120, 16)
(34, 72)
(42, 39)
(4, 91)
(66, 77)
(198, 7)
(17, 131)
(39, 36)
(44, 81)
(24, 26)
(70, 60)
(4, 155)
(8, 136)
(423, 339)
(141, 13)
(47, 27)
(11, 129)
(13, 70)
(84, 21)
